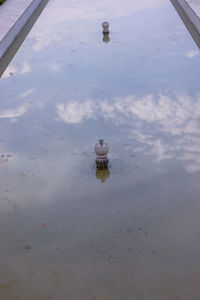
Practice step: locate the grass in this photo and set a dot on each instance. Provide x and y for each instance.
(2, 1)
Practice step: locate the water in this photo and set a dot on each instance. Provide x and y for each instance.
(132, 232)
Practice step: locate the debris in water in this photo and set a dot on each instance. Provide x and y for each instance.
(27, 247)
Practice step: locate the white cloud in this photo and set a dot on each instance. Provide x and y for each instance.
(27, 93)
(193, 168)
(75, 112)
(166, 127)
(13, 113)
(192, 53)
(25, 68)
(107, 110)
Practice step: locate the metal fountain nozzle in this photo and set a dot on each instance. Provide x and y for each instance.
(101, 150)
(105, 27)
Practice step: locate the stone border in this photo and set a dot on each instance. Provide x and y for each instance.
(13, 33)
(189, 17)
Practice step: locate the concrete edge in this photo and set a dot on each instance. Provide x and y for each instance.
(12, 34)
(194, 18)
(11, 51)
(189, 18)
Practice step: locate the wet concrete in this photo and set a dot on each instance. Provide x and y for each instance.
(132, 232)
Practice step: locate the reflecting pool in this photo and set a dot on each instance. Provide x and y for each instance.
(69, 231)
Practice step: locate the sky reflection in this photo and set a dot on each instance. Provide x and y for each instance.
(13, 113)
(167, 127)
(74, 11)
(142, 85)
(64, 90)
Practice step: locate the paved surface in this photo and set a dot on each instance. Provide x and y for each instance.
(195, 5)
(10, 12)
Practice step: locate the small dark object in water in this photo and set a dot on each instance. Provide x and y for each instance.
(27, 247)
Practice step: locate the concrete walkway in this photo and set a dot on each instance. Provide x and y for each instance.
(195, 5)
(10, 12)
(14, 15)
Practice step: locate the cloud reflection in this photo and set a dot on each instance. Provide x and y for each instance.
(192, 53)
(166, 127)
(13, 113)
(75, 112)
(27, 93)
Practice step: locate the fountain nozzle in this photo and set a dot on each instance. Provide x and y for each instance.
(101, 150)
(105, 27)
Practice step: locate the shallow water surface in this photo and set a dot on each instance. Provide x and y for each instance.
(131, 232)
